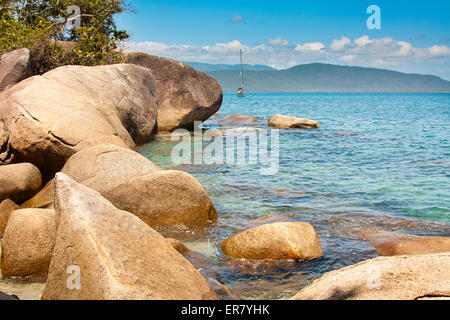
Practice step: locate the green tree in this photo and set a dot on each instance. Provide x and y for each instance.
(42, 27)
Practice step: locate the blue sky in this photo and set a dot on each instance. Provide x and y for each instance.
(414, 35)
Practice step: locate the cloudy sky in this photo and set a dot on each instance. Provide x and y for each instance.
(414, 35)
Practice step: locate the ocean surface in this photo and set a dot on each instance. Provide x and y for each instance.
(379, 162)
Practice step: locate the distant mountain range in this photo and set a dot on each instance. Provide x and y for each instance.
(207, 67)
(318, 77)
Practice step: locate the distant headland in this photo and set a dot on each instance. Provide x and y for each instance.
(319, 77)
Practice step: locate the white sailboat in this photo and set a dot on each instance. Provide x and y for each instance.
(241, 91)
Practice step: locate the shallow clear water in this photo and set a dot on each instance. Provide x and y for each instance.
(379, 162)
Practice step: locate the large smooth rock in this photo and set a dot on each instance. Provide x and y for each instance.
(185, 95)
(118, 256)
(14, 67)
(276, 241)
(164, 198)
(106, 166)
(135, 184)
(19, 182)
(6, 207)
(418, 246)
(385, 278)
(28, 242)
(286, 122)
(101, 167)
(46, 119)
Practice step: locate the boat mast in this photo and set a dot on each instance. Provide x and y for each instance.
(242, 73)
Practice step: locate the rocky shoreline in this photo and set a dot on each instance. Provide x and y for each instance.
(75, 196)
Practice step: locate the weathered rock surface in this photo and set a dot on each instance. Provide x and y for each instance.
(385, 278)
(237, 119)
(106, 166)
(6, 207)
(28, 242)
(164, 198)
(135, 184)
(19, 182)
(46, 119)
(276, 241)
(14, 67)
(118, 256)
(44, 199)
(286, 122)
(419, 246)
(184, 94)
(100, 167)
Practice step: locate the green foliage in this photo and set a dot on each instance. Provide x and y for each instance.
(42, 27)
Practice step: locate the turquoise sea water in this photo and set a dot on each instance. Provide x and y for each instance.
(378, 162)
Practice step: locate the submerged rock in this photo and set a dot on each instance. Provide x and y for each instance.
(185, 95)
(221, 290)
(385, 278)
(19, 182)
(419, 246)
(177, 245)
(14, 67)
(286, 122)
(274, 218)
(46, 119)
(6, 207)
(397, 244)
(28, 242)
(117, 255)
(276, 241)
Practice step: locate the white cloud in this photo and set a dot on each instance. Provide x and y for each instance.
(439, 51)
(278, 42)
(406, 49)
(339, 45)
(278, 53)
(347, 59)
(364, 40)
(313, 46)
